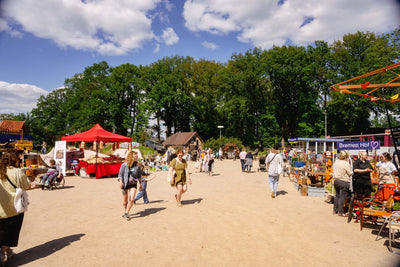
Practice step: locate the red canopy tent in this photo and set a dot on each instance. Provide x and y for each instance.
(97, 133)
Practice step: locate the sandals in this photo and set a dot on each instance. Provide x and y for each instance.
(179, 204)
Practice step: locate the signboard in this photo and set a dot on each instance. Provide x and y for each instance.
(25, 145)
(60, 153)
(358, 145)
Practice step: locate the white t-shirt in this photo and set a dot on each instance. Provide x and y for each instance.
(274, 160)
(388, 165)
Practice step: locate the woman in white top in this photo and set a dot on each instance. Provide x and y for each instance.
(386, 168)
(273, 160)
(210, 161)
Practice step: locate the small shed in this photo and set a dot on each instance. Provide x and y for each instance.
(11, 131)
(12, 127)
(188, 141)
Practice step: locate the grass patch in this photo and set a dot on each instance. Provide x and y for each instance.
(147, 152)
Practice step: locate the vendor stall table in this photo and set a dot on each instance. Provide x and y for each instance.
(103, 169)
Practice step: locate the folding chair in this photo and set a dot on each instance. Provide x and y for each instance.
(394, 228)
(373, 210)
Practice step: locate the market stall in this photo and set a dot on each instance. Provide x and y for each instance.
(100, 167)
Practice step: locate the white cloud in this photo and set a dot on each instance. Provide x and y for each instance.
(18, 98)
(210, 45)
(170, 37)
(266, 23)
(108, 27)
(156, 49)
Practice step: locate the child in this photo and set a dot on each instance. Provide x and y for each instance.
(53, 172)
(143, 192)
(74, 164)
(286, 168)
(198, 165)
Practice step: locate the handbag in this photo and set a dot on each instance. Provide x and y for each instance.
(170, 178)
(280, 168)
(21, 199)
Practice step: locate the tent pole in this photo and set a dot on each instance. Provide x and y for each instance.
(391, 132)
(97, 152)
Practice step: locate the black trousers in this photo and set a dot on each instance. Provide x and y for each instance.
(342, 192)
(362, 186)
(9, 230)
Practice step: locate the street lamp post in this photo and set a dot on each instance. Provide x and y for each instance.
(220, 127)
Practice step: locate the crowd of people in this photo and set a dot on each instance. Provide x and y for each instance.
(355, 176)
(348, 176)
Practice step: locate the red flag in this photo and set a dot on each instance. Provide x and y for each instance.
(364, 85)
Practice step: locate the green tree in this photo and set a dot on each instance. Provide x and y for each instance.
(293, 94)
(124, 97)
(204, 86)
(168, 96)
(354, 55)
(244, 89)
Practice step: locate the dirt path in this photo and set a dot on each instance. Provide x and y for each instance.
(228, 219)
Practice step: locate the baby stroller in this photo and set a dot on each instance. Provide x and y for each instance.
(261, 164)
(53, 181)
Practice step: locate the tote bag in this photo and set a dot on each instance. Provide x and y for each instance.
(21, 200)
(170, 178)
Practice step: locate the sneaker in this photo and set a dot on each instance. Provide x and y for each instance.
(273, 194)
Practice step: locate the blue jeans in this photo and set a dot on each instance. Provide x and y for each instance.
(242, 161)
(143, 193)
(273, 183)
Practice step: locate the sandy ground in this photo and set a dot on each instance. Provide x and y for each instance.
(228, 219)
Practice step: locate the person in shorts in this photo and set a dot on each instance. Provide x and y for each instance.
(130, 174)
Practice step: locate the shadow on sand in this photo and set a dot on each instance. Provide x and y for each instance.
(146, 212)
(44, 250)
(191, 201)
(65, 187)
(281, 192)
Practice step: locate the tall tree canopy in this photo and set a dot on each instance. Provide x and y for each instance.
(261, 96)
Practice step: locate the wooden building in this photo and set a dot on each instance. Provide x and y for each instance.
(13, 128)
(188, 141)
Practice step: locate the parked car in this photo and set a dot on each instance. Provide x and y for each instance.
(154, 145)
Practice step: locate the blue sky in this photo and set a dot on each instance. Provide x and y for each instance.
(42, 43)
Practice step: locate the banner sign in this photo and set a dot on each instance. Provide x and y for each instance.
(358, 145)
(60, 149)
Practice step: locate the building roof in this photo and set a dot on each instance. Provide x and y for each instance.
(298, 139)
(180, 139)
(11, 126)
